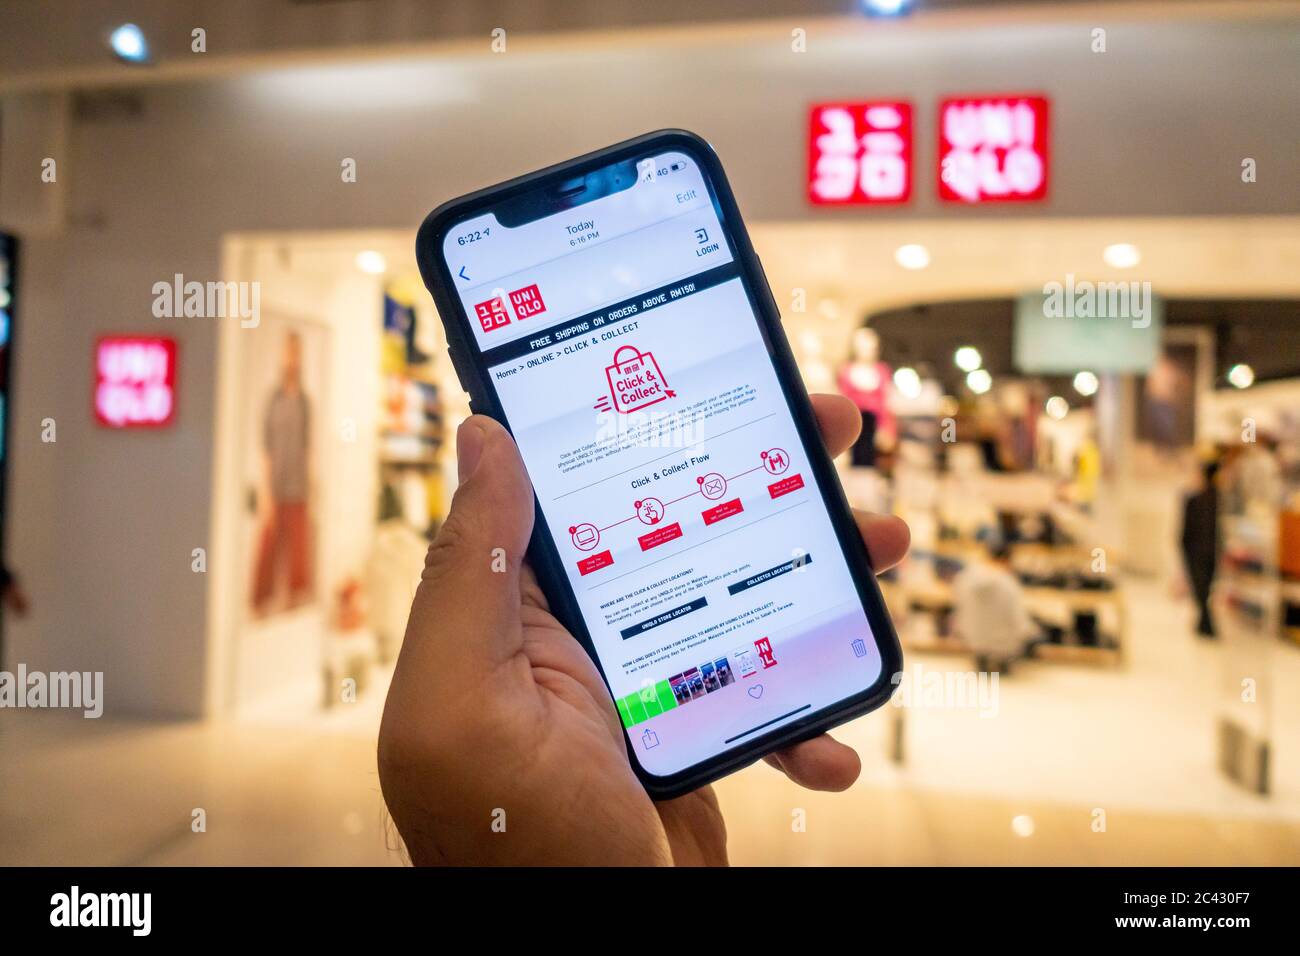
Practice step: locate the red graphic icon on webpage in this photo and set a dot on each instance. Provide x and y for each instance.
(585, 536)
(649, 510)
(492, 314)
(764, 647)
(635, 381)
(775, 460)
(527, 302)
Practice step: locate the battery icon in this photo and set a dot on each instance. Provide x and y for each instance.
(676, 167)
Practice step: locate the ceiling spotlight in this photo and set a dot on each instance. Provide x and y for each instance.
(1122, 255)
(1057, 407)
(1241, 376)
(372, 262)
(968, 358)
(886, 8)
(908, 382)
(912, 256)
(811, 343)
(128, 44)
(817, 374)
(1085, 383)
(979, 381)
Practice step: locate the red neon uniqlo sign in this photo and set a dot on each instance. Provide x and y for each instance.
(993, 149)
(135, 381)
(860, 154)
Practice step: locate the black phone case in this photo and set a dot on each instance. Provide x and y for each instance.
(542, 552)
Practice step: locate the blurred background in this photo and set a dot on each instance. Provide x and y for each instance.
(1051, 250)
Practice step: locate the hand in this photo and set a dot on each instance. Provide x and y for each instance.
(499, 742)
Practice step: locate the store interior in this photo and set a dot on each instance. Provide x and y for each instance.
(1080, 473)
(1121, 706)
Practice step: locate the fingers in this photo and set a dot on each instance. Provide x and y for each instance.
(839, 420)
(887, 538)
(819, 764)
(824, 763)
(469, 592)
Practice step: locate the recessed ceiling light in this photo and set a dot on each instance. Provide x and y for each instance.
(912, 256)
(1121, 255)
(371, 262)
(979, 381)
(1085, 383)
(1057, 407)
(886, 8)
(968, 358)
(128, 43)
(1241, 376)
(907, 381)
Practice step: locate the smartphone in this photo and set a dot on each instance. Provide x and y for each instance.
(691, 531)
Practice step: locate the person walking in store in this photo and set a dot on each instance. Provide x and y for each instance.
(499, 742)
(1200, 543)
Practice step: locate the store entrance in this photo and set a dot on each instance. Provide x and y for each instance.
(332, 470)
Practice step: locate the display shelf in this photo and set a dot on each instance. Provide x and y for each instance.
(1247, 605)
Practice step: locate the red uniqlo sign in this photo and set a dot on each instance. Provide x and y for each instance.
(993, 149)
(860, 154)
(492, 314)
(135, 381)
(527, 302)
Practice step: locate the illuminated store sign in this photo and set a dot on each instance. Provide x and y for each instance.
(135, 381)
(860, 154)
(993, 149)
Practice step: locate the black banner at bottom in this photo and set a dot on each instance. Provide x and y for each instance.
(378, 906)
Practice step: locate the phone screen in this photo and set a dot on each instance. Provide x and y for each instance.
(623, 345)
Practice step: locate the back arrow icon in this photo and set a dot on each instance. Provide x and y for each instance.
(462, 274)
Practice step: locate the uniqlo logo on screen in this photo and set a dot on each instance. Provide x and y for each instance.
(527, 302)
(860, 154)
(993, 149)
(492, 314)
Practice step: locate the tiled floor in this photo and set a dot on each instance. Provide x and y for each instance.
(1066, 743)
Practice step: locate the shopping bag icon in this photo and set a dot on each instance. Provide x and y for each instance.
(635, 381)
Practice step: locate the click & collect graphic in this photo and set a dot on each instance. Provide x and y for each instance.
(635, 381)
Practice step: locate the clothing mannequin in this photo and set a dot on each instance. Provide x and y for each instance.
(866, 381)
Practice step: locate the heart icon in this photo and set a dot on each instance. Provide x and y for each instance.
(756, 691)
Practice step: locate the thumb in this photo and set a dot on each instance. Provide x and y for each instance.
(466, 610)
